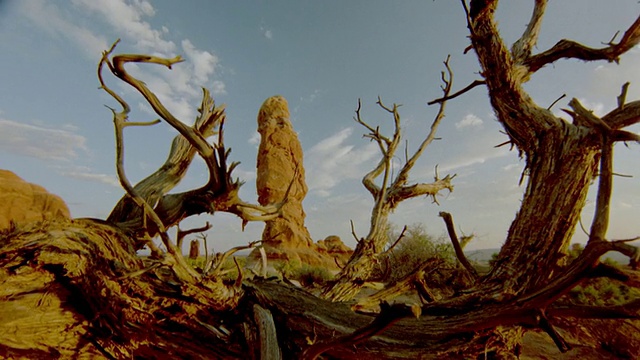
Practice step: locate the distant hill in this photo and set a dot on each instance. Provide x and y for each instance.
(484, 255)
(481, 255)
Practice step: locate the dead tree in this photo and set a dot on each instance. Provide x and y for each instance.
(93, 265)
(387, 195)
(78, 289)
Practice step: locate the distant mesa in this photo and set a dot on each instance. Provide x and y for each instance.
(280, 165)
(23, 203)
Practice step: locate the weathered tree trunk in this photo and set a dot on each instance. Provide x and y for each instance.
(78, 289)
(560, 170)
(387, 196)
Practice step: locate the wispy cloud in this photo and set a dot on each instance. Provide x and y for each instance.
(333, 160)
(266, 32)
(204, 63)
(254, 139)
(128, 18)
(46, 15)
(40, 142)
(178, 89)
(218, 88)
(469, 121)
(461, 163)
(306, 100)
(92, 177)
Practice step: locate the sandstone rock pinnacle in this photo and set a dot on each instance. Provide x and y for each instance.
(280, 161)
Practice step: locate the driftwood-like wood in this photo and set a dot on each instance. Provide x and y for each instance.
(388, 195)
(78, 289)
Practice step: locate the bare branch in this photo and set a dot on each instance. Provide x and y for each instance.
(181, 234)
(570, 49)
(404, 229)
(600, 222)
(353, 231)
(403, 174)
(548, 328)
(448, 220)
(623, 117)
(179, 265)
(217, 268)
(431, 189)
(556, 101)
(584, 117)
(196, 139)
(623, 95)
(629, 250)
(389, 314)
(457, 93)
(521, 49)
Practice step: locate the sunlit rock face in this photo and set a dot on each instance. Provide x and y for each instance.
(280, 165)
(23, 203)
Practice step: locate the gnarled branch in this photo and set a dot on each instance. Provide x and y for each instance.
(451, 230)
(521, 49)
(568, 49)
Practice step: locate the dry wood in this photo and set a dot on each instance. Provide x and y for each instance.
(388, 195)
(78, 289)
(451, 230)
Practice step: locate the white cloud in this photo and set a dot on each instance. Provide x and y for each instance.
(625, 205)
(127, 18)
(244, 175)
(470, 120)
(267, 33)
(511, 166)
(255, 138)
(204, 63)
(460, 163)
(47, 16)
(332, 160)
(39, 142)
(92, 177)
(311, 97)
(218, 88)
(178, 89)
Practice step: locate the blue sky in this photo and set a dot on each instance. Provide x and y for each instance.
(322, 56)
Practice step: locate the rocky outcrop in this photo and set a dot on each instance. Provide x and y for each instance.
(23, 203)
(334, 248)
(280, 161)
(280, 164)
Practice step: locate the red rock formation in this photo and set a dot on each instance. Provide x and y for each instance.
(23, 203)
(335, 248)
(280, 161)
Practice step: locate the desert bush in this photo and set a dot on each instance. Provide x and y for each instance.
(599, 291)
(312, 276)
(415, 248)
(602, 292)
(287, 268)
(307, 275)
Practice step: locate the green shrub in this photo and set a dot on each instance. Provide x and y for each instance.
(287, 268)
(307, 275)
(415, 248)
(599, 291)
